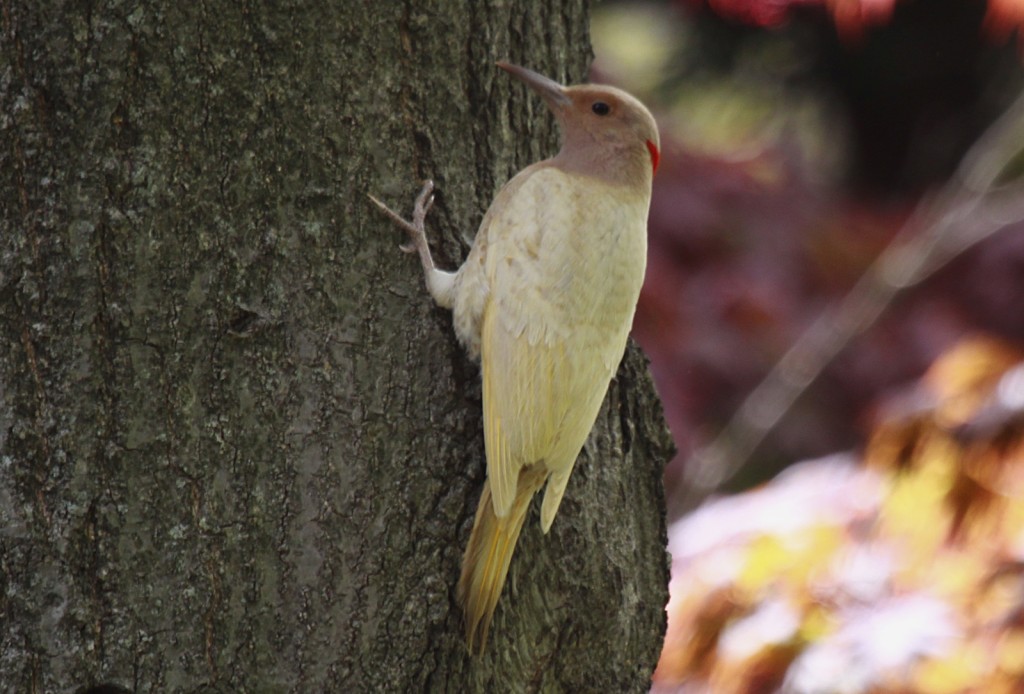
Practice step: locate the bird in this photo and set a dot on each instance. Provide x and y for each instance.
(545, 301)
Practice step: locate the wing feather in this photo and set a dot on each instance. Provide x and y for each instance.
(523, 414)
(551, 334)
(528, 378)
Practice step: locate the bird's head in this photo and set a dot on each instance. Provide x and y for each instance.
(605, 132)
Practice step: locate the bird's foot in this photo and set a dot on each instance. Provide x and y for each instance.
(440, 284)
(417, 227)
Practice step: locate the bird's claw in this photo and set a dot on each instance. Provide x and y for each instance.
(424, 201)
(417, 227)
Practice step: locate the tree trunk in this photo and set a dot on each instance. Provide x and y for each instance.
(240, 448)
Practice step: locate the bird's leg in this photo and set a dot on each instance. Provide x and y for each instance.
(439, 283)
(416, 228)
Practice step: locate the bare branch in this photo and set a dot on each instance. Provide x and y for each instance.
(975, 204)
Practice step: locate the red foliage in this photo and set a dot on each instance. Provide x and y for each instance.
(1003, 18)
(744, 254)
(850, 16)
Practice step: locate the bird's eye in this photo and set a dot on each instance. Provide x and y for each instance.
(601, 108)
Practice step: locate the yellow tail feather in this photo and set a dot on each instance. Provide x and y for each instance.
(489, 553)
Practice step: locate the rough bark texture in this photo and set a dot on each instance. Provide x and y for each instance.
(240, 449)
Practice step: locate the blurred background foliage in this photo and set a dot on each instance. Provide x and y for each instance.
(803, 139)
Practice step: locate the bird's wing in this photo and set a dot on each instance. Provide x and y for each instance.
(522, 410)
(533, 383)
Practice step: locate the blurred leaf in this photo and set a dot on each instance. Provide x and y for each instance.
(900, 582)
(1003, 18)
(851, 16)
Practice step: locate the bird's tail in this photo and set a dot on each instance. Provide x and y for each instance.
(489, 553)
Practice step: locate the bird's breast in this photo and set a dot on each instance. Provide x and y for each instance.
(559, 258)
(592, 251)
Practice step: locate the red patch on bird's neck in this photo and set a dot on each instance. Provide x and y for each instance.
(655, 156)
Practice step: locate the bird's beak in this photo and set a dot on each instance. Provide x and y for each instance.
(551, 91)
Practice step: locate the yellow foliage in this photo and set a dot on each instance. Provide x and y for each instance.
(917, 586)
(960, 671)
(1010, 653)
(963, 378)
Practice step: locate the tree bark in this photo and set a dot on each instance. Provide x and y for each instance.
(240, 448)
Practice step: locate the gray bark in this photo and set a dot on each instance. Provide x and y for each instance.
(240, 449)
